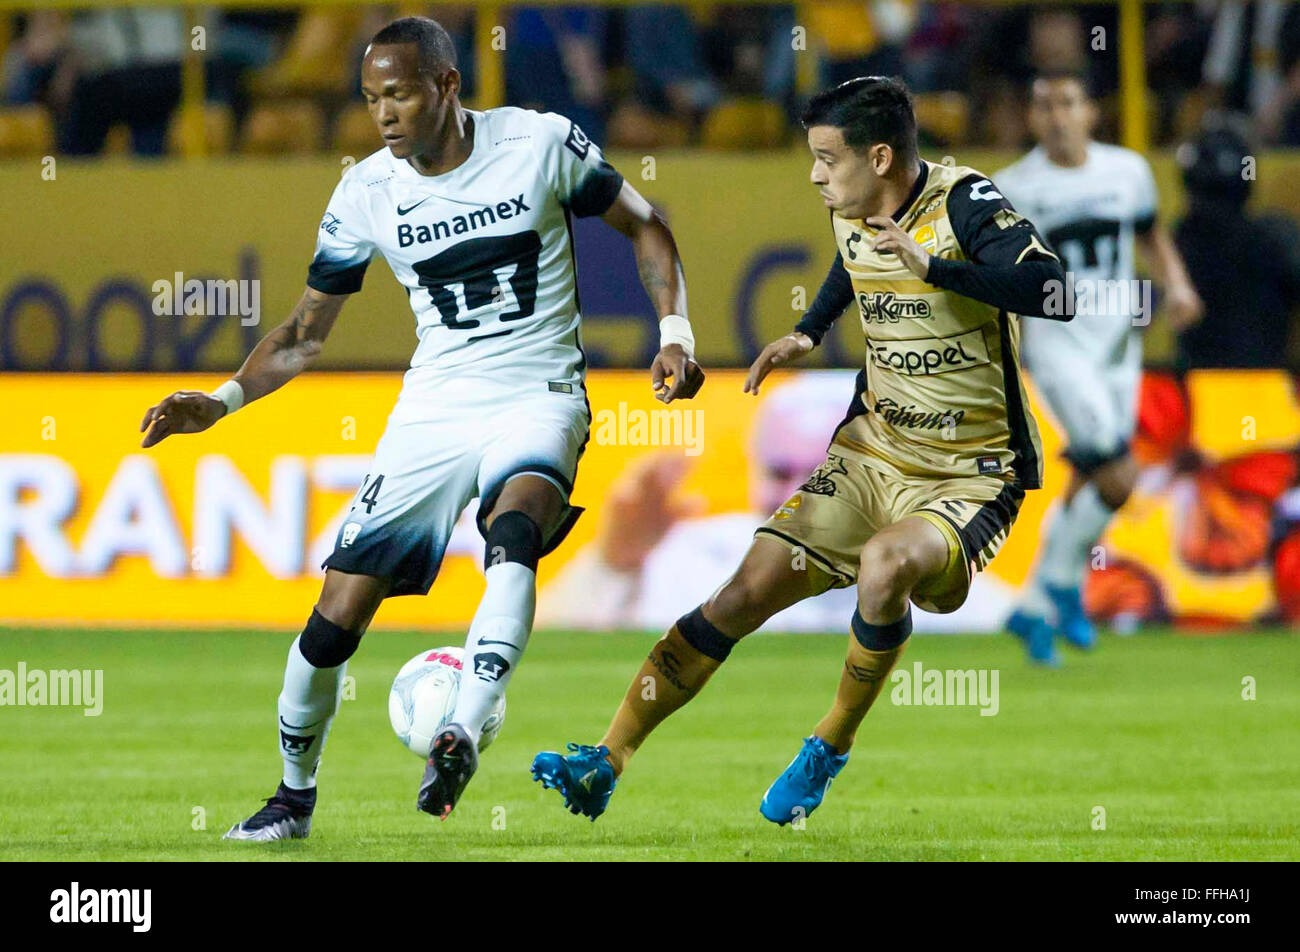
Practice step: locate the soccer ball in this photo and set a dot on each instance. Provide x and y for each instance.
(423, 698)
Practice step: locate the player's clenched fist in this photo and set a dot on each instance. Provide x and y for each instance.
(686, 374)
(777, 354)
(186, 411)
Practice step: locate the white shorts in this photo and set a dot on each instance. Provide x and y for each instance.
(442, 448)
(1091, 391)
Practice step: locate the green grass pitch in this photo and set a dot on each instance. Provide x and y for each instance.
(1153, 728)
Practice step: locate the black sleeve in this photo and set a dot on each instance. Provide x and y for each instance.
(1031, 288)
(333, 277)
(1010, 265)
(597, 192)
(832, 298)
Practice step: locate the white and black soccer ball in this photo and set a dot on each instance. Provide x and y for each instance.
(423, 698)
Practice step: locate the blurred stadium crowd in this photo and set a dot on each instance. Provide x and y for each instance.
(283, 79)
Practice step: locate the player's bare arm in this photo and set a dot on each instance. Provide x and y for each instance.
(1182, 303)
(832, 298)
(660, 268)
(280, 356)
(782, 351)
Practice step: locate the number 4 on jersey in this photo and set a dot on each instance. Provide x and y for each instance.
(370, 494)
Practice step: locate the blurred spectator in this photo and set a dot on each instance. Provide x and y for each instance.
(860, 39)
(750, 52)
(1013, 45)
(1279, 119)
(244, 40)
(1241, 64)
(1246, 268)
(554, 61)
(663, 48)
(36, 65)
(1176, 40)
(128, 70)
(938, 54)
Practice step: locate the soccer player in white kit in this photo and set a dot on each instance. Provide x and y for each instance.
(1094, 203)
(472, 212)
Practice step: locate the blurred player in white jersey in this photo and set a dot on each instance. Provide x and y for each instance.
(472, 211)
(1094, 203)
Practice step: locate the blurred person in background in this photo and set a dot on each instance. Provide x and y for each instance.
(1246, 267)
(35, 68)
(128, 70)
(750, 52)
(664, 50)
(554, 62)
(938, 52)
(1279, 117)
(1014, 45)
(655, 547)
(1241, 64)
(244, 40)
(1096, 205)
(860, 38)
(1176, 37)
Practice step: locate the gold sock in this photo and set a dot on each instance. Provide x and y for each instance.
(861, 682)
(673, 673)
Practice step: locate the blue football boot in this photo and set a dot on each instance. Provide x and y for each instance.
(1037, 635)
(584, 778)
(1071, 621)
(799, 791)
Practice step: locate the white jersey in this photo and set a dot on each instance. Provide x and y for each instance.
(484, 251)
(1089, 214)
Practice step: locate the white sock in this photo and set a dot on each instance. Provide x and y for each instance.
(1071, 536)
(307, 705)
(496, 642)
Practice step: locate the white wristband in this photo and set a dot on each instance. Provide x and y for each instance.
(231, 394)
(675, 329)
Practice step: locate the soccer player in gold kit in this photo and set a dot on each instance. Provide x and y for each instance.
(926, 473)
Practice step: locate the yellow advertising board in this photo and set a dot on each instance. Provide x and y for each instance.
(228, 527)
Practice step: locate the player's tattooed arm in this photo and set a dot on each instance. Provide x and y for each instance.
(291, 347)
(660, 268)
(278, 357)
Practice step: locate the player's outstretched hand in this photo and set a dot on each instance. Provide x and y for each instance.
(776, 354)
(893, 239)
(185, 411)
(687, 376)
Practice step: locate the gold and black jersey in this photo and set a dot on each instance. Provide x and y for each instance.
(941, 394)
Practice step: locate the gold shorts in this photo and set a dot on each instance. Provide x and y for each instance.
(844, 503)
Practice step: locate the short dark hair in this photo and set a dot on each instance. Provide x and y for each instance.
(868, 109)
(1056, 73)
(437, 51)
